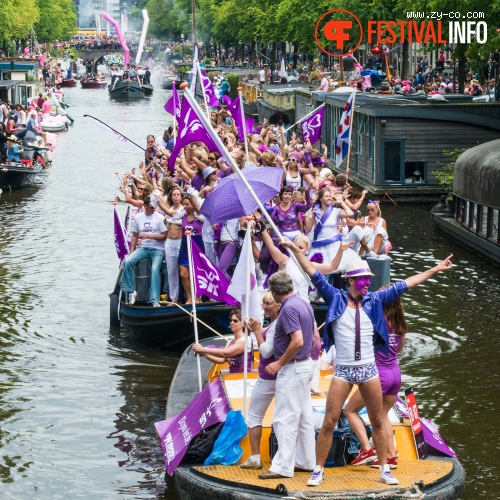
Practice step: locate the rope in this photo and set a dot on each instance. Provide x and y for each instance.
(399, 493)
(197, 319)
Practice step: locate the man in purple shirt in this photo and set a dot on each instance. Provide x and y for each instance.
(292, 420)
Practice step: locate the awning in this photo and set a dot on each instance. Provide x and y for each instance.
(8, 84)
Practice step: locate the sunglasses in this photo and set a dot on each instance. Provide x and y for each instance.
(234, 320)
(371, 210)
(150, 206)
(211, 158)
(150, 142)
(140, 189)
(267, 303)
(293, 159)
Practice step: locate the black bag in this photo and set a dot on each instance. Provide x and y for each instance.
(339, 455)
(202, 445)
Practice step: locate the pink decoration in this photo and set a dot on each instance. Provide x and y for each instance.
(126, 51)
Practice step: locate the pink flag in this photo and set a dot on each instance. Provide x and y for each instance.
(235, 109)
(173, 105)
(237, 287)
(208, 279)
(191, 129)
(311, 127)
(208, 407)
(208, 89)
(121, 244)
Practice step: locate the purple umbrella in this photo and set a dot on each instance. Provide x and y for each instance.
(231, 199)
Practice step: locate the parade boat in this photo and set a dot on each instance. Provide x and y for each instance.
(126, 90)
(15, 175)
(437, 477)
(92, 83)
(68, 82)
(168, 81)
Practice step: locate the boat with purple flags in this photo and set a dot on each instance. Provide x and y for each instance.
(435, 474)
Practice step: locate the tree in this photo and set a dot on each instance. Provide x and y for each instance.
(17, 18)
(57, 20)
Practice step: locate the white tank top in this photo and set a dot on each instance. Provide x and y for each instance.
(300, 284)
(295, 182)
(344, 329)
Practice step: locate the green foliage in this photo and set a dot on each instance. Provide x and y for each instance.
(17, 17)
(445, 175)
(57, 20)
(233, 83)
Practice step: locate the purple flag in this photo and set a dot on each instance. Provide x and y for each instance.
(208, 89)
(191, 129)
(173, 105)
(311, 127)
(208, 279)
(209, 407)
(235, 109)
(121, 244)
(226, 100)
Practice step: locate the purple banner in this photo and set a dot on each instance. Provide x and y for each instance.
(121, 244)
(191, 129)
(208, 89)
(311, 127)
(209, 407)
(208, 279)
(236, 113)
(431, 434)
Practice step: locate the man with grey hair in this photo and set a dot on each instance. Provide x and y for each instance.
(294, 337)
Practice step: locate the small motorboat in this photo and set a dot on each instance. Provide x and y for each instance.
(168, 80)
(56, 123)
(92, 83)
(126, 89)
(68, 82)
(15, 175)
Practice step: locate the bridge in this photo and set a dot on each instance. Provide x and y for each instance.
(92, 57)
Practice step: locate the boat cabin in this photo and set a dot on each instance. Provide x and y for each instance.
(19, 80)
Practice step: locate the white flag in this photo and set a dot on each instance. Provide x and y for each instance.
(237, 287)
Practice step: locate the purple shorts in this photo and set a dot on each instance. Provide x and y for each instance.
(390, 380)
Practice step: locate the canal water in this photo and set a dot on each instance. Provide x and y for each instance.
(78, 400)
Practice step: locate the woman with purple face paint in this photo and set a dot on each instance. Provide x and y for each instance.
(356, 325)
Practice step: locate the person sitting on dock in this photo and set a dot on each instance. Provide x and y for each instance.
(150, 228)
(234, 351)
(293, 342)
(355, 324)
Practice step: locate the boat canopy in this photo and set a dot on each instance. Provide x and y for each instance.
(477, 174)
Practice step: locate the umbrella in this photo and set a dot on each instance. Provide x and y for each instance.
(231, 199)
(275, 117)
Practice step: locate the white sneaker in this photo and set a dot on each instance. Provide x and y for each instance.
(317, 477)
(251, 464)
(387, 477)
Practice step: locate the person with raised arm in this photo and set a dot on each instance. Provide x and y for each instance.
(355, 324)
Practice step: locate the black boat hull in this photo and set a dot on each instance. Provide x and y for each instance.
(126, 90)
(14, 177)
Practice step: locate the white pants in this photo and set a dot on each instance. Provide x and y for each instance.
(316, 374)
(172, 248)
(210, 251)
(292, 420)
(262, 395)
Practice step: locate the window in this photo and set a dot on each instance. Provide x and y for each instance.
(392, 160)
(483, 221)
(494, 225)
(415, 172)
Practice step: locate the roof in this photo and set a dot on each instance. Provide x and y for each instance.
(8, 84)
(477, 174)
(18, 64)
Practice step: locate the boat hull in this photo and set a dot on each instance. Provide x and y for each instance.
(126, 90)
(16, 177)
(68, 83)
(93, 84)
(54, 128)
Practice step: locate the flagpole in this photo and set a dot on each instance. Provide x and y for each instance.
(121, 182)
(243, 124)
(193, 297)
(198, 69)
(305, 117)
(220, 145)
(351, 125)
(247, 310)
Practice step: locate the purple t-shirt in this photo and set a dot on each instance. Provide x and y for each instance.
(391, 360)
(295, 314)
(287, 220)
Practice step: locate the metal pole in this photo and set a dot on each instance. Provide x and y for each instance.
(198, 69)
(220, 145)
(193, 297)
(248, 243)
(243, 124)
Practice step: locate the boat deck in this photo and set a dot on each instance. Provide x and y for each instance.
(348, 478)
